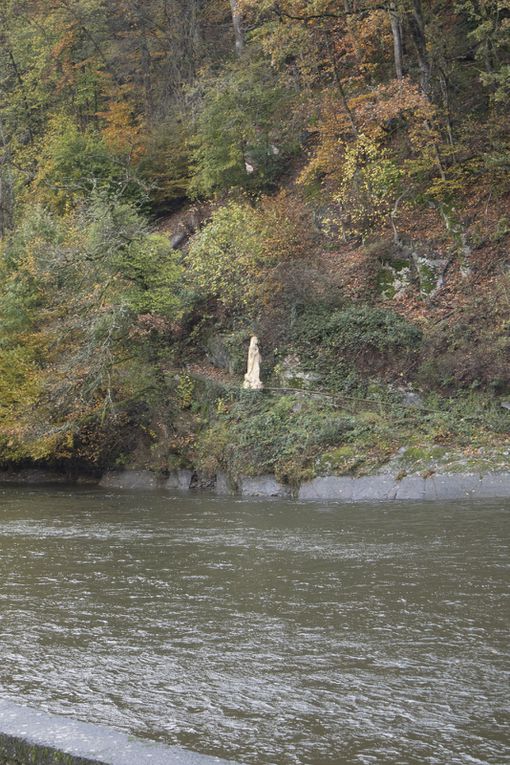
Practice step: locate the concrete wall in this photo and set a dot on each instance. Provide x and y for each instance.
(31, 737)
(382, 487)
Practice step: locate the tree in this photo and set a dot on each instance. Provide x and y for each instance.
(237, 21)
(241, 135)
(72, 291)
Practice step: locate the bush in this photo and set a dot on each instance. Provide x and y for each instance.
(75, 163)
(261, 434)
(256, 261)
(225, 255)
(71, 292)
(362, 338)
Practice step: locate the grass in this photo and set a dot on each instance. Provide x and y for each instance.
(297, 437)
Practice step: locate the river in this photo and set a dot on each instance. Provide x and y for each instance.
(262, 631)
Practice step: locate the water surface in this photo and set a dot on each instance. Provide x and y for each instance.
(265, 632)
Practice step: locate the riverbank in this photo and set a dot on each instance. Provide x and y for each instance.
(379, 487)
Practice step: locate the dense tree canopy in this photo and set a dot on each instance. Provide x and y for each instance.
(305, 153)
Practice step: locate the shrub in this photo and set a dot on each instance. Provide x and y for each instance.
(255, 260)
(224, 257)
(261, 434)
(355, 338)
(75, 163)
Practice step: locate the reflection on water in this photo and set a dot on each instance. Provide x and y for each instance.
(266, 632)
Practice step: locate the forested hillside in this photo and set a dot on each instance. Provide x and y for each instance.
(331, 175)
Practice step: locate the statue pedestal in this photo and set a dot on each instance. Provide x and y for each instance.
(250, 385)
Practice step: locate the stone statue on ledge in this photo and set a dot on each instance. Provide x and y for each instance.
(252, 377)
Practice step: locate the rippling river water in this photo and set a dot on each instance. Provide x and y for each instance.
(264, 632)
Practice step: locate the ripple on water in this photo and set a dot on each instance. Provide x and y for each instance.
(262, 632)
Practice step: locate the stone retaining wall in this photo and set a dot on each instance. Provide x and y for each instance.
(382, 487)
(413, 487)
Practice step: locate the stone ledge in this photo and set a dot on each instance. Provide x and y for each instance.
(330, 486)
(179, 479)
(262, 486)
(143, 480)
(30, 737)
(379, 487)
(441, 486)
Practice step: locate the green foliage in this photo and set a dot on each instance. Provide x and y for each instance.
(298, 437)
(371, 181)
(243, 119)
(152, 268)
(22, 267)
(265, 435)
(165, 162)
(72, 291)
(224, 257)
(18, 379)
(75, 163)
(490, 29)
(338, 343)
(185, 388)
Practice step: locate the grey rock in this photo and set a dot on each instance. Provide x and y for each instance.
(451, 486)
(411, 487)
(394, 281)
(179, 239)
(494, 485)
(440, 487)
(431, 273)
(223, 486)
(28, 735)
(291, 374)
(374, 487)
(328, 487)
(179, 479)
(219, 353)
(505, 404)
(262, 486)
(130, 479)
(412, 399)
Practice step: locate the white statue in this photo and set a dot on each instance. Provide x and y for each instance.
(252, 376)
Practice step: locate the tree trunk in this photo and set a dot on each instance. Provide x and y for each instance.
(445, 94)
(338, 82)
(397, 40)
(145, 61)
(237, 21)
(417, 26)
(6, 186)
